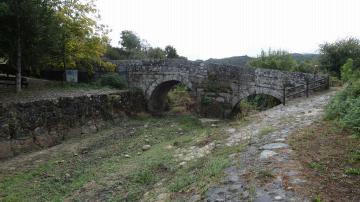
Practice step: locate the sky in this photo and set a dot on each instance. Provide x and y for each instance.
(202, 29)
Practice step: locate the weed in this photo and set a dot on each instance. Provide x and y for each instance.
(316, 166)
(181, 182)
(317, 199)
(145, 176)
(266, 130)
(352, 171)
(265, 174)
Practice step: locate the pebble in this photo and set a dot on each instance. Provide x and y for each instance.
(127, 156)
(146, 147)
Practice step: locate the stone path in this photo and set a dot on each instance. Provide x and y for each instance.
(266, 170)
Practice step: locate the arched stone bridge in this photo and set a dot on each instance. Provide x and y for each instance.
(216, 88)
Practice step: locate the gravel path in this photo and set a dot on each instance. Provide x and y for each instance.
(266, 170)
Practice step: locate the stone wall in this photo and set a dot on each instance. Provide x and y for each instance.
(44, 123)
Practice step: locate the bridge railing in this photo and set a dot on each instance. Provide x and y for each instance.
(305, 89)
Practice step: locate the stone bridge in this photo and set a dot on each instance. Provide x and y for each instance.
(216, 88)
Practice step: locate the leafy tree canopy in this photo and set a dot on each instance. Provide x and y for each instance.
(334, 55)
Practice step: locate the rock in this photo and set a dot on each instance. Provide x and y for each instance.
(67, 175)
(163, 197)
(195, 198)
(146, 147)
(274, 146)
(127, 156)
(182, 163)
(266, 154)
(213, 125)
(280, 140)
(5, 150)
(231, 130)
(277, 198)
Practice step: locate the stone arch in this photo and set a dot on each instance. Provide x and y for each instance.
(157, 91)
(278, 94)
(236, 100)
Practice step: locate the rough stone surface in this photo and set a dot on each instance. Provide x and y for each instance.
(243, 183)
(216, 88)
(267, 154)
(26, 126)
(274, 146)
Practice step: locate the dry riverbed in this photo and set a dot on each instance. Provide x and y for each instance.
(180, 158)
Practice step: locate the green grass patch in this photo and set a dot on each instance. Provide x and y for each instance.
(316, 166)
(266, 130)
(352, 171)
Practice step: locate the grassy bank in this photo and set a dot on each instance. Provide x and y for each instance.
(112, 165)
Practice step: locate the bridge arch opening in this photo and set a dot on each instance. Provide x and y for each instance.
(254, 103)
(168, 95)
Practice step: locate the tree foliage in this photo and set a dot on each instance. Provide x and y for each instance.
(335, 55)
(53, 34)
(133, 47)
(171, 52)
(279, 59)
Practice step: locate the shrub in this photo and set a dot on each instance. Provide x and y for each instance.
(113, 80)
(345, 107)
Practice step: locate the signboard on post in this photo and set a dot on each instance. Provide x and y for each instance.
(72, 76)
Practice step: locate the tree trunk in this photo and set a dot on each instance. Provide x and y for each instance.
(18, 61)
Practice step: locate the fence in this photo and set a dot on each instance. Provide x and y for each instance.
(305, 89)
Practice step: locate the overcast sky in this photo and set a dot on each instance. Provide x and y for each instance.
(202, 29)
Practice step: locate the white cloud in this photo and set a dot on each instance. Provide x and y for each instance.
(200, 29)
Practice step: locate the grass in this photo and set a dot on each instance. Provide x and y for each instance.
(265, 174)
(316, 166)
(352, 171)
(266, 130)
(331, 159)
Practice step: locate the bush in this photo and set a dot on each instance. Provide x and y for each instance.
(113, 80)
(345, 107)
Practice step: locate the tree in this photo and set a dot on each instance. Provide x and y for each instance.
(171, 52)
(84, 40)
(280, 60)
(156, 53)
(334, 55)
(24, 27)
(130, 41)
(349, 72)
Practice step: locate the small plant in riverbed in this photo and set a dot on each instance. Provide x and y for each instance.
(317, 199)
(145, 176)
(181, 182)
(266, 130)
(265, 174)
(352, 171)
(316, 166)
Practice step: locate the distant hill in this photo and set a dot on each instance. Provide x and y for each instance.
(303, 57)
(243, 60)
(236, 60)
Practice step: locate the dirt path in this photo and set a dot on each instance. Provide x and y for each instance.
(266, 170)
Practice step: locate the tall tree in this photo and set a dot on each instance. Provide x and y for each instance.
(23, 23)
(84, 40)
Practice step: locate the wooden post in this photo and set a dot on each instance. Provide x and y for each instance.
(307, 88)
(284, 95)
